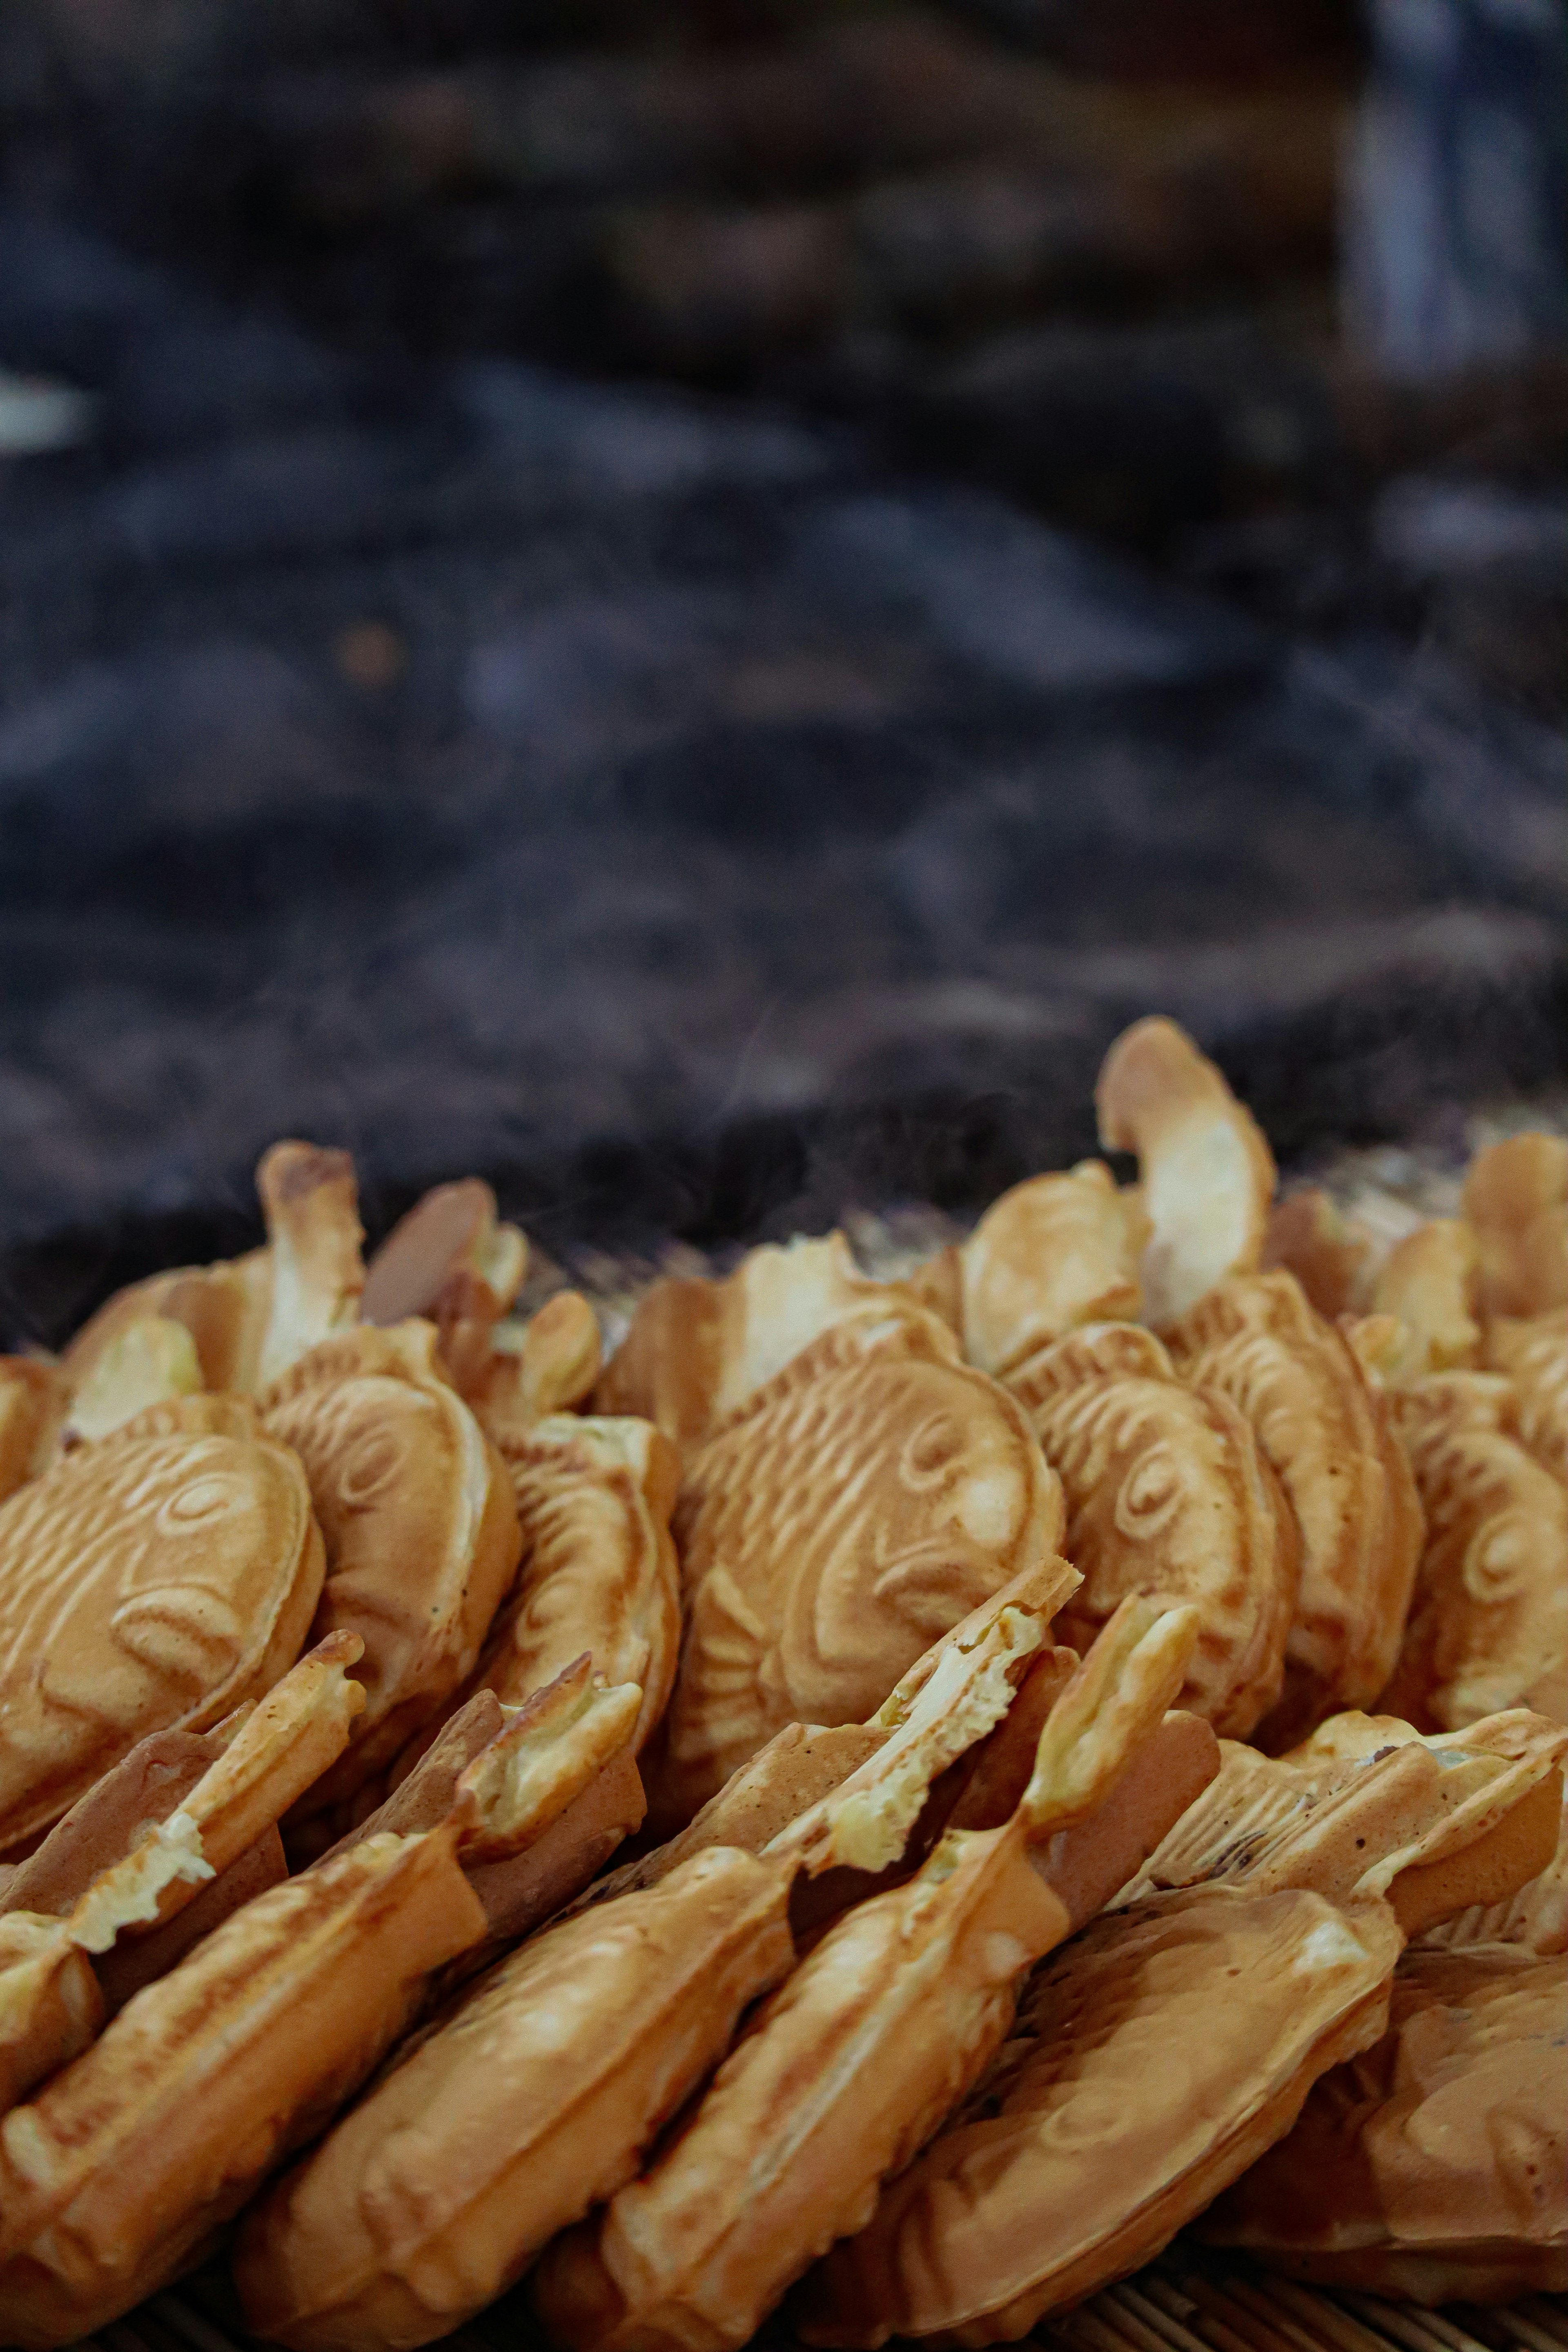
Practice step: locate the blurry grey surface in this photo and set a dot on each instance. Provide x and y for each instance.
(1456, 227)
(670, 809)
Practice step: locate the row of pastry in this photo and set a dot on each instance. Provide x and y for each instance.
(350, 1623)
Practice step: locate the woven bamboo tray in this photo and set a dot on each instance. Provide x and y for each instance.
(1185, 2302)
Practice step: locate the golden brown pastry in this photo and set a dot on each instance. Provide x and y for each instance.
(147, 1584)
(1324, 1430)
(158, 1853)
(1118, 2110)
(1534, 1920)
(1435, 2165)
(125, 2162)
(1428, 1283)
(420, 1526)
(852, 2062)
(1112, 2114)
(859, 1505)
(311, 1201)
(697, 1350)
(549, 2078)
(245, 1321)
(149, 1360)
(1206, 1174)
(1532, 1352)
(599, 1571)
(1052, 1254)
(34, 1395)
(450, 1260)
(532, 2101)
(966, 1687)
(222, 1307)
(182, 1806)
(1326, 1251)
(1488, 1620)
(1516, 1204)
(1166, 1492)
(1433, 1822)
(199, 1416)
(545, 1366)
(554, 1785)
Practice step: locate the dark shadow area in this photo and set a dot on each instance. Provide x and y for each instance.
(689, 609)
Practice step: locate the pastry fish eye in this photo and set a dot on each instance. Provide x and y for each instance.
(1501, 1557)
(1151, 1494)
(199, 1501)
(369, 1468)
(930, 1450)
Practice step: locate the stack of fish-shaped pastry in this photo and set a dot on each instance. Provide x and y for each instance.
(974, 1658)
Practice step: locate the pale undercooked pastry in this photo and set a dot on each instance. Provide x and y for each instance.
(1166, 1492)
(1118, 2109)
(598, 1572)
(1489, 1620)
(1206, 1174)
(1516, 1204)
(1052, 1254)
(419, 1523)
(1435, 2165)
(860, 1504)
(1324, 1430)
(145, 1585)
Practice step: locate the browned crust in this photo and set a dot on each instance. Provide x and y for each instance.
(1144, 2234)
(34, 1394)
(146, 1785)
(1494, 1866)
(132, 1962)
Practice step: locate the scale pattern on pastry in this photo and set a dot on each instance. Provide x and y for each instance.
(1167, 1493)
(1037, 2190)
(599, 1571)
(1324, 1430)
(145, 1585)
(420, 1526)
(1432, 2167)
(830, 1531)
(1488, 1620)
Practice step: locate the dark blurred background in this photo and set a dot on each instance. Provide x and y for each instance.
(687, 602)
